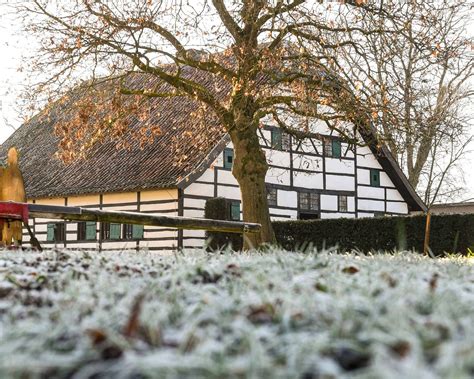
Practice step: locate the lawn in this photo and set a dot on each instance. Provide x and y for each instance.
(256, 315)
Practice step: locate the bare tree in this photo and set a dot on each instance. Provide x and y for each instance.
(257, 59)
(420, 80)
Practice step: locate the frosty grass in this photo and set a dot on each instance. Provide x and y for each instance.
(254, 315)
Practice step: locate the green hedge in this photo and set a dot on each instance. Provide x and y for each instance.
(449, 233)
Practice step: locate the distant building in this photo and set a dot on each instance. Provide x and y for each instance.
(453, 208)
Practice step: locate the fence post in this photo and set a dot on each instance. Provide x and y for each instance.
(427, 233)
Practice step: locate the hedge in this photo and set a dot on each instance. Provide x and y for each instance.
(449, 233)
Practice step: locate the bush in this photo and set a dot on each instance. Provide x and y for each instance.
(449, 233)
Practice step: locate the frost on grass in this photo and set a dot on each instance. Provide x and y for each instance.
(253, 315)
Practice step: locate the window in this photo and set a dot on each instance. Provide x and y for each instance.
(342, 202)
(332, 148)
(228, 158)
(280, 140)
(56, 232)
(127, 232)
(235, 211)
(375, 178)
(86, 231)
(309, 201)
(132, 232)
(336, 148)
(272, 196)
(110, 231)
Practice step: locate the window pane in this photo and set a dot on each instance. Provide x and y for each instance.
(50, 235)
(228, 158)
(137, 232)
(375, 178)
(272, 196)
(276, 139)
(328, 148)
(314, 201)
(342, 203)
(285, 142)
(128, 231)
(114, 231)
(336, 149)
(91, 230)
(304, 200)
(235, 211)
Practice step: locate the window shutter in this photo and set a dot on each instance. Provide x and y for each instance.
(137, 232)
(336, 149)
(228, 158)
(91, 230)
(276, 139)
(235, 211)
(115, 231)
(50, 236)
(375, 178)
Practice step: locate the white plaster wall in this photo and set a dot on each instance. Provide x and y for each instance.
(385, 180)
(372, 192)
(287, 198)
(306, 162)
(365, 158)
(363, 176)
(397, 207)
(329, 202)
(226, 177)
(336, 215)
(278, 176)
(393, 194)
(341, 183)
(339, 166)
(305, 180)
(371, 205)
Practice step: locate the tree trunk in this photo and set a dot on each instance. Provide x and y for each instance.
(250, 168)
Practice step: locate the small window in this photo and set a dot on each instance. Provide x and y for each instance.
(336, 148)
(272, 196)
(308, 216)
(309, 201)
(138, 232)
(56, 232)
(342, 200)
(127, 232)
(276, 136)
(228, 158)
(86, 231)
(375, 178)
(328, 148)
(110, 231)
(235, 211)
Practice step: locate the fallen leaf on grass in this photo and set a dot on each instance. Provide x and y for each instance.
(350, 270)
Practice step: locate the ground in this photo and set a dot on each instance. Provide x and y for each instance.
(254, 315)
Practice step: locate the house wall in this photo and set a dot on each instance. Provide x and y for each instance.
(163, 201)
(303, 167)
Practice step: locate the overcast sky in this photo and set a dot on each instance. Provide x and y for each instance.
(13, 45)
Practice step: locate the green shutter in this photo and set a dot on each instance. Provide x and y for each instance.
(276, 139)
(115, 230)
(336, 149)
(50, 236)
(235, 211)
(137, 232)
(91, 230)
(375, 178)
(228, 158)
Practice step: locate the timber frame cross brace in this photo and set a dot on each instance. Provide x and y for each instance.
(13, 211)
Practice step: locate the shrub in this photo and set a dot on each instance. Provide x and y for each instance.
(449, 233)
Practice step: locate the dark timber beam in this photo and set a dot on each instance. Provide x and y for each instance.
(83, 214)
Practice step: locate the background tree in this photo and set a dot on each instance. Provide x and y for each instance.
(421, 79)
(272, 60)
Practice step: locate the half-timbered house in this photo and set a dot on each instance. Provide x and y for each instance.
(324, 177)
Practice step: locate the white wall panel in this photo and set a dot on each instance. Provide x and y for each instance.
(199, 189)
(287, 198)
(226, 177)
(339, 166)
(372, 192)
(336, 215)
(307, 162)
(341, 183)
(371, 205)
(397, 207)
(310, 181)
(393, 194)
(363, 176)
(277, 158)
(329, 202)
(278, 176)
(228, 192)
(385, 180)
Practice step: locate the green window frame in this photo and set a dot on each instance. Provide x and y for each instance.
(91, 230)
(276, 137)
(228, 158)
(115, 231)
(138, 232)
(50, 232)
(336, 148)
(375, 178)
(235, 211)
